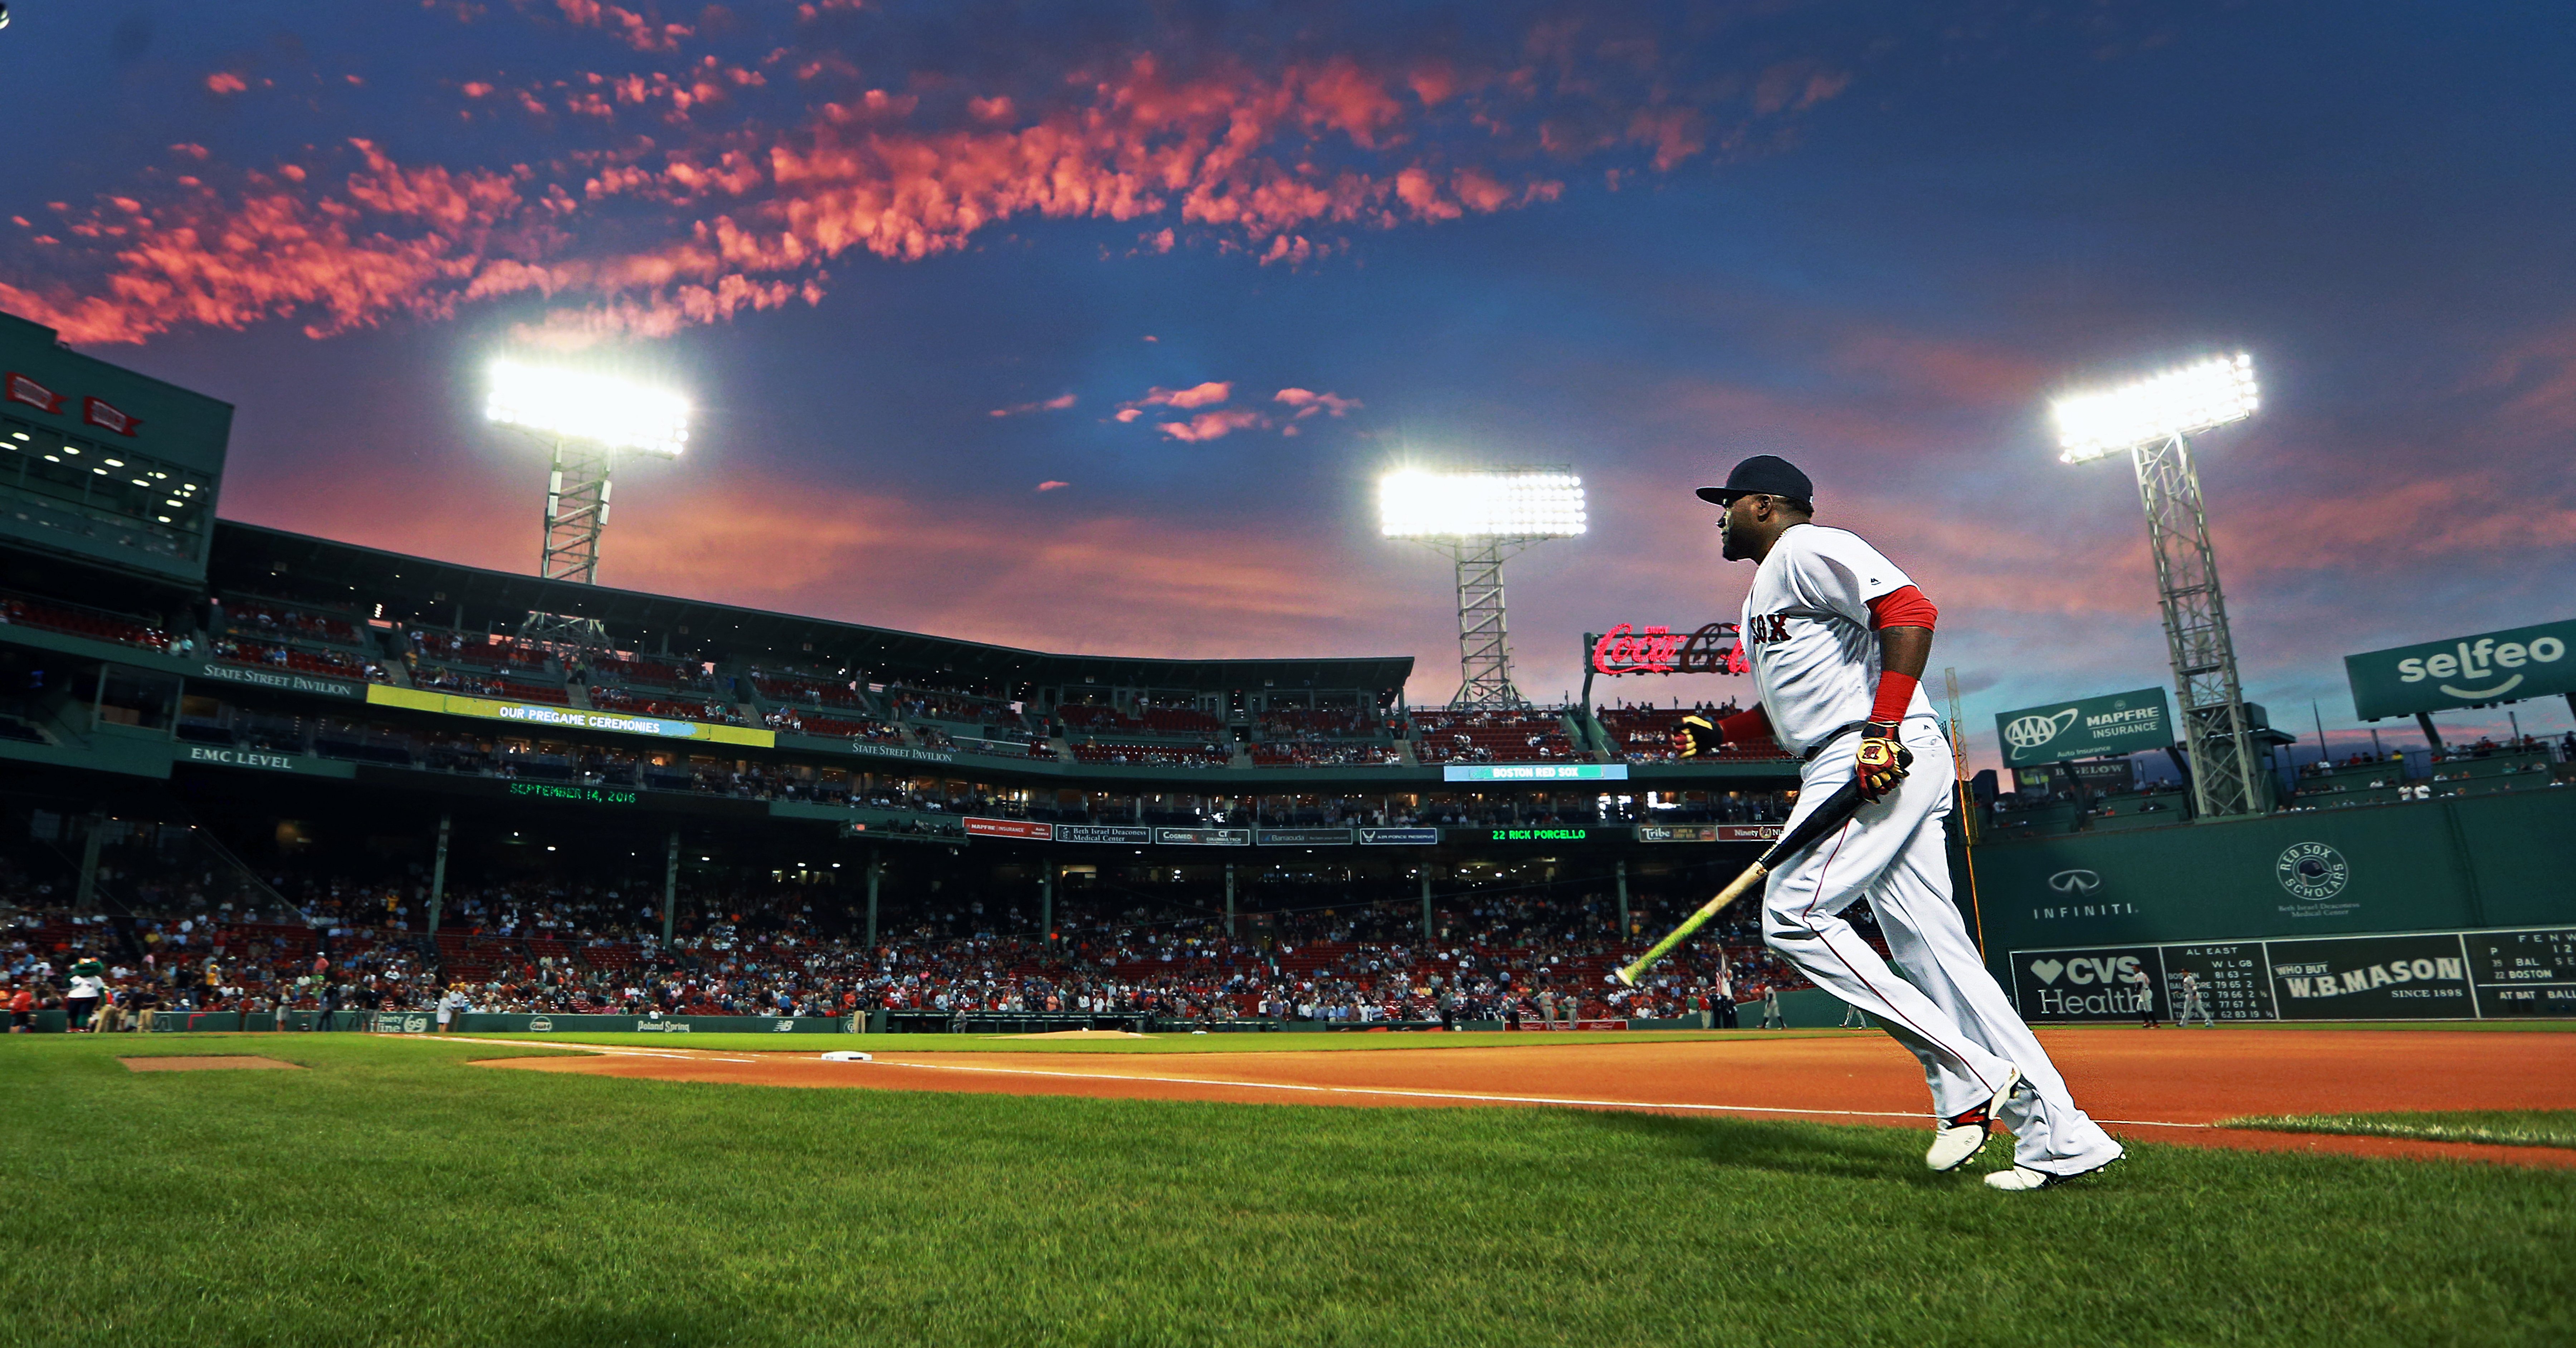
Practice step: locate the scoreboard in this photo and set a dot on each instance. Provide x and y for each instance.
(2454, 975)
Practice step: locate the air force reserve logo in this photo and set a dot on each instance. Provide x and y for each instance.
(2312, 871)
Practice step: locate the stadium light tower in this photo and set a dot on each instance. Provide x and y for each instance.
(2152, 421)
(589, 419)
(1478, 517)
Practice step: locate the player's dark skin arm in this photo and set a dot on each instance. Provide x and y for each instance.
(1904, 650)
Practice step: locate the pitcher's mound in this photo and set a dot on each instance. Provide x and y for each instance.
(1078, 1034)
(178, 1064)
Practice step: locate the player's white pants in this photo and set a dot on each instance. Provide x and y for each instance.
(1946, 1009)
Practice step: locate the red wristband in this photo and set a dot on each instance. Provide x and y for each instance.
(1907, 607)
(1895, 694)
(1745, 726)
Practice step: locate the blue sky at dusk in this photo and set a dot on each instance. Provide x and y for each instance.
(1209, 269)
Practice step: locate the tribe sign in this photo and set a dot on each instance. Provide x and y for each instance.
(1660, 650)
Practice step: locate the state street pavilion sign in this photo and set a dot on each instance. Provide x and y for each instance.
(2088, 727)
(2476, 671)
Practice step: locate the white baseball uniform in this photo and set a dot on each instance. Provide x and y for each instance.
(1815, 663)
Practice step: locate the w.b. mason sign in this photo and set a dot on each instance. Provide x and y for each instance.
(2491, 667)
(2088, 727)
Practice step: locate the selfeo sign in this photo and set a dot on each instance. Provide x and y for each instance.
(2085, 728)
(2505, 666)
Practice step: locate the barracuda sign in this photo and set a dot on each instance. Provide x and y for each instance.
(2475, 671)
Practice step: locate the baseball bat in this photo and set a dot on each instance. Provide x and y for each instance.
(1829, 816)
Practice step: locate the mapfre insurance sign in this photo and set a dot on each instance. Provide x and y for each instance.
(2473, 671)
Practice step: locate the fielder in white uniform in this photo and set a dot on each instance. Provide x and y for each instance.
(1836, 637)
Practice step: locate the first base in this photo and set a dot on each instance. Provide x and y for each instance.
(847, 1055)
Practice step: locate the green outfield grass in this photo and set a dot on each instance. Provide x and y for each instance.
(392, 1194)
(1158, 1043)
(2501, 1127)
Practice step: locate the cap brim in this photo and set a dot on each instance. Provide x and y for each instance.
(1719, 495)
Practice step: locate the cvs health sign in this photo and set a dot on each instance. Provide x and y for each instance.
(2088, 984)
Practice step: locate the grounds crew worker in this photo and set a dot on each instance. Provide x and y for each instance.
(1836, 637)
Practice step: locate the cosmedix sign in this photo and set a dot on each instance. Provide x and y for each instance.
(2472, 671)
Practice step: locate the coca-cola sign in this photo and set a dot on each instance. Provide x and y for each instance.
(1626, 649)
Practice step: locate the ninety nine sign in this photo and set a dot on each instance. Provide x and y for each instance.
(2087, 728)
(1008, 828)
(1660, 650)
(2473, 671)
(1536, 772)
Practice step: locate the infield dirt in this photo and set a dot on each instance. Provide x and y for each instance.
(2165, 1086)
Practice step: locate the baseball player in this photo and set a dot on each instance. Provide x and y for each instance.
(2192, 1002)
(1836, 637)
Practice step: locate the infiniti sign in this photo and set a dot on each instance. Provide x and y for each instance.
(2075, 882)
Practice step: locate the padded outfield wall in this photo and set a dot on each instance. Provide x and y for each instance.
(2457, 908)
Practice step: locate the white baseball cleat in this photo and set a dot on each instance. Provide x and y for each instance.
(1963, 1134)
(2022, 1179)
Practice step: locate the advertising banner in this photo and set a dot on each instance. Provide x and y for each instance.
(2094, 984)
(1535, 772)
(2090, 727)
(1008, 828)
(1707, 833)
(2474, 671)
(1399, 837)
(546, 716)
(1527, 834)
(1303, 837)
(1203, 837)
(1134, 835)
(2371, 978)
(264, 761)
(2445, 975)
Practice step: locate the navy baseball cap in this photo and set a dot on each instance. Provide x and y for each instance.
(1762, 475)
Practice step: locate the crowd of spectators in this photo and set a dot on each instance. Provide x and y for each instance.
(1500, 951)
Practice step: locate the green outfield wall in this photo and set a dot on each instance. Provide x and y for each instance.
(2456, 908)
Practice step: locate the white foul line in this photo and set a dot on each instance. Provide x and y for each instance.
(1440, 1095)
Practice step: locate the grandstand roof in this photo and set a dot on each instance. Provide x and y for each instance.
(249, 558)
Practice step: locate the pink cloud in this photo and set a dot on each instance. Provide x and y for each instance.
(1054, 404)
(1212, 425)
(721, 208)
(1129, 413)
(1308, 402)
(1053, 485)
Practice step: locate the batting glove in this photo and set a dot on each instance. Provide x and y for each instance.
(1697, 735)
(1881, 762)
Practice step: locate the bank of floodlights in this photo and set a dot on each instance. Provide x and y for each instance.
(573, 405)
(1478, 517)
(2152, 422)
(2186, 401)
(1526, 503)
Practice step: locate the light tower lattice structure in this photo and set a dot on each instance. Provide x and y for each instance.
(588, 419)
(1478, 519)
(2153, 422)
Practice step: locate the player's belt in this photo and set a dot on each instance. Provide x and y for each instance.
(1828, 741)
(1830, 736)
